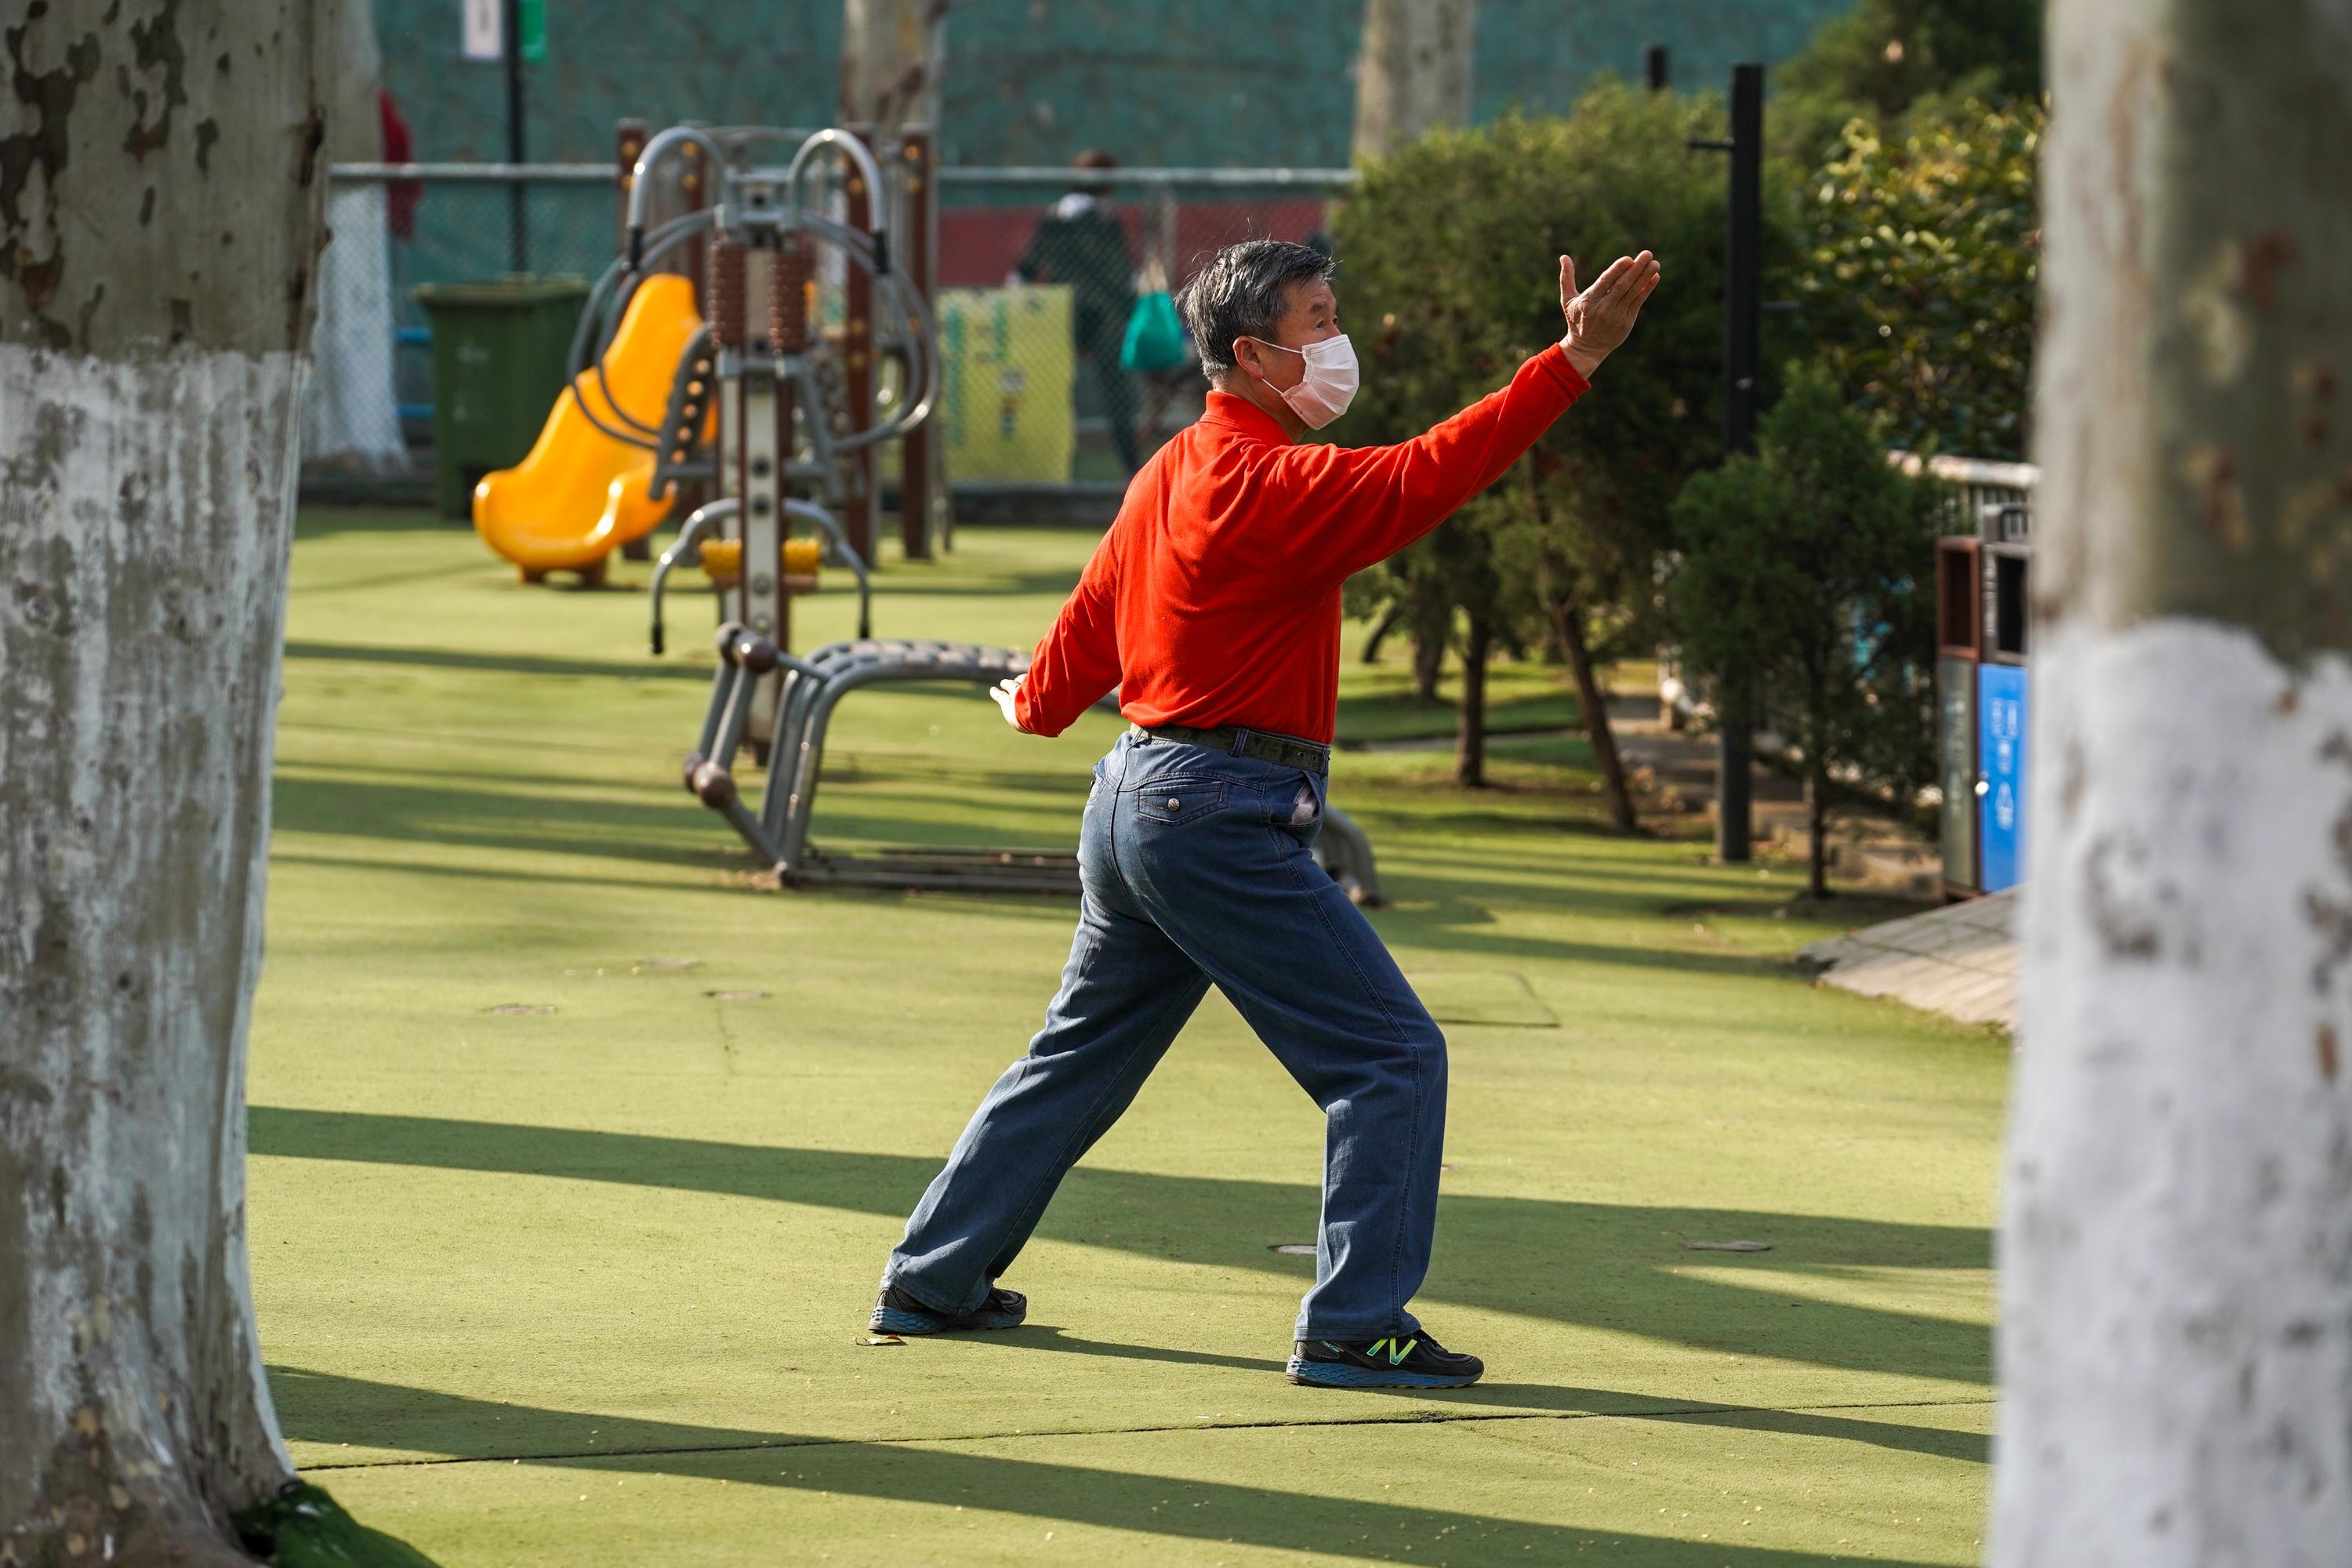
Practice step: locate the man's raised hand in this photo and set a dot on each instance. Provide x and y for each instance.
(1600, 318)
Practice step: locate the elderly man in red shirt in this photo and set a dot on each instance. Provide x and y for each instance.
(1212, 604)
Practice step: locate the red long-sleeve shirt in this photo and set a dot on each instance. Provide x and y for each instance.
(1214, 597)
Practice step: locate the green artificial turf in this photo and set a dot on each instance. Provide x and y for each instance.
(575, 1159)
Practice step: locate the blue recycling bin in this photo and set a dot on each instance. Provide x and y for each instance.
(2001, 759)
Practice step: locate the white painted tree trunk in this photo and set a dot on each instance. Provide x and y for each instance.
(350, 416)
(2175, 1344)
(1415, 71)
(160, 173)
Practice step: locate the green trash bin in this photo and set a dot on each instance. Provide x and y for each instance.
(499, 350)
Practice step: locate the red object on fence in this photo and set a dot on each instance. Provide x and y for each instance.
(400, 196)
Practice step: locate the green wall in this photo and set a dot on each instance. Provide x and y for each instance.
(1187, 81)
(1214, 82)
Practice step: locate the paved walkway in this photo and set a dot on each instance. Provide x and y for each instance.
(1959, 961)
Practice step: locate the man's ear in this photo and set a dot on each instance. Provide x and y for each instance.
(1245, 357)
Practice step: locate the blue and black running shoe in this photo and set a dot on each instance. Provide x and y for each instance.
(1401, 1360)
(896, 1313)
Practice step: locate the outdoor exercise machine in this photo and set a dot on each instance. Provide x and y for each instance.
(777, 831)
(740, 361)
(757, 410)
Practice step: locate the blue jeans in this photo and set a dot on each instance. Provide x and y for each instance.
(1197, 868)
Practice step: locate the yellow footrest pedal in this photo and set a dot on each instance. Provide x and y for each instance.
(722, 559)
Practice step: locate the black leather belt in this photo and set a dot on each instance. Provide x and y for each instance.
(1283, 751)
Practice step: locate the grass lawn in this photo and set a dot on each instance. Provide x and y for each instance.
(575, 1161)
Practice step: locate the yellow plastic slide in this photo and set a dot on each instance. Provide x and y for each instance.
(580, 494)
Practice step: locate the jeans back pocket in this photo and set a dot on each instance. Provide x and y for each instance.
(1178, 799)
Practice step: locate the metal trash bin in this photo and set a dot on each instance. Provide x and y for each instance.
(500, 353)
(1981, 686)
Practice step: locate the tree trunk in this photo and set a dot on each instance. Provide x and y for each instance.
(1568, 624)
(161, 171)
(1416, 70)
(1817, 826)
(350, 415)
(891, 55)
(1389, 621)
(2176, 1351)
(1470, 739)
(1428, 661)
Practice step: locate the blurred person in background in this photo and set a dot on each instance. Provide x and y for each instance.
(1081, 243)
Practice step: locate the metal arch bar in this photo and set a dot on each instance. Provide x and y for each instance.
(857, 153)
(809, 511)
(801, 692)
(654, 151)
(723, 696)
(984, 666)
(689, 533)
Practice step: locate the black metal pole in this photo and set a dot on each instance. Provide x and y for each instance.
(1654, 66)
(518, 206)
(1742, 295)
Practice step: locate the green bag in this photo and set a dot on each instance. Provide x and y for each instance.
(1155, 338)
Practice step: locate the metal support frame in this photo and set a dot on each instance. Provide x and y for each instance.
(813, 689)
(860, 205)
(919, 478)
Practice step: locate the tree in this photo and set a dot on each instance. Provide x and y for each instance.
(2176, 1345)
(1805, 569)
(1414, 73)
(1442, 313)
(1919, 274)
(1885, 55)
(160, 174)
(350, 415)
(891, 56)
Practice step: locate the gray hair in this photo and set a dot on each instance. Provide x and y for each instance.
(1241, 294)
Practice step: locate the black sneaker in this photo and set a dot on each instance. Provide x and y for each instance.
(896, 1313)
(1404, 1361)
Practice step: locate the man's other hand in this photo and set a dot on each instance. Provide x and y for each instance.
(1600, 318)
(1004, 691)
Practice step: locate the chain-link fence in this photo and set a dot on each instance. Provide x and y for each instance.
(1040, 273)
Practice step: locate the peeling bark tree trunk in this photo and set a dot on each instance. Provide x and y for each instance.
(2176, 1351)
(160, 178)
(1470, 739)
(890, 60)
(1415, 71)
(1568, 624)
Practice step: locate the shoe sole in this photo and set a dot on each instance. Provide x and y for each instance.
(1341, 1375)
(892, 1320)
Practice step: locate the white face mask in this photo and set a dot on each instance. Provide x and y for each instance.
(1329, 385)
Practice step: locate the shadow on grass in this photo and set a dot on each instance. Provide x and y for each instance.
(497, 663)
(1612, 1266)
(1006, 585)
(656, 830)
(320, 1407)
